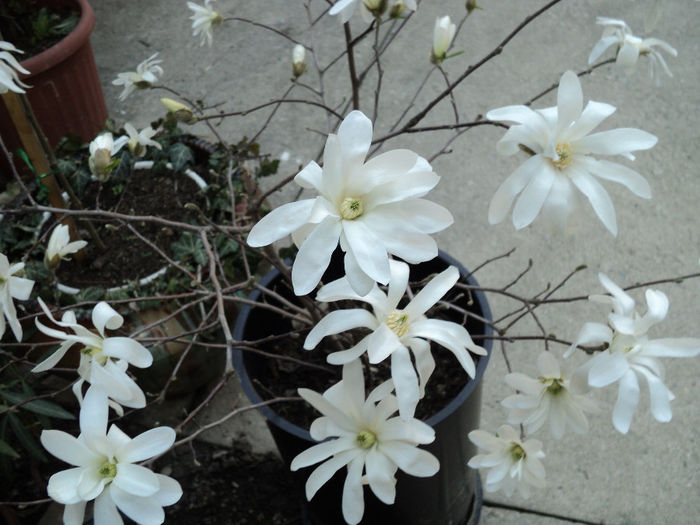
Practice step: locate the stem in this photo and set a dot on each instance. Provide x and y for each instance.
(351, 66)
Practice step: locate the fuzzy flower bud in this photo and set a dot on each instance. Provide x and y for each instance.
(298, 60)
(180, 111)
(471, 5)
(397, 9)
(60, 247)
(443, 34)
(376, 7)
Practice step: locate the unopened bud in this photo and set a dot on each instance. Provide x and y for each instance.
(180, 111)
(471, 5)
(397, 9)
(100, 162)
(376, 7)
(298, 60)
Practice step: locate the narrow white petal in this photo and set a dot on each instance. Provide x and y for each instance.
(432, 292)
(367, 250)
(612, 171)
(143, 510)
(54, 358)
(627, 400)
(382, 342)
(425, 363)
(315, 255)
(380, 475)
(339, 321)
(596, 195)
(326, 408)
(678, 347)
(126, 348)
(416, 215)
(533, 196)
(63, 486)
(591, 333)
(412, 460)
(74, 514)
(615, 142)
(397, 284)
(593, 114)
(20, 288)
(147, 445)
(67, 448)
(280, 222)
(94, 412)
(405, 381)
(106, 512)
(659, 394)
(504, 197)
(325, 471)
(361, 283)
(136, 480)
(104, 316)
(310, 177)
(355, 136)
(169, 491)
(353, 503)
(569, 101)
(387, 168)
(607, 368)
(322, 451)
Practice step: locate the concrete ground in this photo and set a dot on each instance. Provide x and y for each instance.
(651, 475)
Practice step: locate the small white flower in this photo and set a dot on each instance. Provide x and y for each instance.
(11, 287)
(59, 247)
(443, 34)
(298, 60)
(103, 360)
(513, 463)
(204, 21)
(369, 9)
(101, 150)
(561, 145)
(551, 396)
(631, 354)
(366, 439)
(106, 469)
(372, 208)
(395, 330)
(145, 76)
(630, 47)
(9, 80)
(139, 140)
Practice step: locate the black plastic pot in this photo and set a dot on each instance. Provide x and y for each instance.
(453, 495)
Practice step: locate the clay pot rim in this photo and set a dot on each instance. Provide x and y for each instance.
(66, 47)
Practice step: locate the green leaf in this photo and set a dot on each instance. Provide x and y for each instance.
(225, 246)
(25, 438)
(123, 169)
(38, 406)
(189, 246)
(180, 155)
(7, 450)
(268, 168)
(79, 180)
(91, 293)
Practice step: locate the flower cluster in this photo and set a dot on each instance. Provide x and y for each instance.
(146, 74)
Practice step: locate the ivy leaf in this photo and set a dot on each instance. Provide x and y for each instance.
(123, 169)
(225, 246)
(38, 406)
(189, 246)
(180, 155)
(268, 167)
(91, 293)
(7, 450)
(79, 180)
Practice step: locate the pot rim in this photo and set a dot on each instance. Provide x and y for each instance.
(65, 47)
(433, 420)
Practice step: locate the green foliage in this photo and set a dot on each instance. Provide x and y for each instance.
(7, 450)
(267, 167)
(180, 156)
(189, 246)
(38, 406)
(48, 24)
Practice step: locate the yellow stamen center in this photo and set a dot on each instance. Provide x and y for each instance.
(565, 156)
(96, 354)
(517, 452)
(366, 439)
(398, 323)
(351, 208)
(107, 470)
(554, 384)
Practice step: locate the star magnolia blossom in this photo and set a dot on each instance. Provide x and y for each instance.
(204, 21)
(105, 469)
(9, 80)
(630, 354)
(443, 34)
(12, 286)
(561, 161)
(396, 330)
(298, 60)
(145, 76)
(103, 360)
(630, 47)
(551, 396)
(101, 150)
(373, 209)
(139, 140)
(513, 463)
(365, 439)
(59, 247)
(369, 9)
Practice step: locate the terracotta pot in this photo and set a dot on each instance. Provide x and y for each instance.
(65, 93)
(453, 495)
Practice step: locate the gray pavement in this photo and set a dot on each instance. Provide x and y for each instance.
(650, 476)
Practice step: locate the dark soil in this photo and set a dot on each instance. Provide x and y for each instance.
(17, 19)
(127, 257)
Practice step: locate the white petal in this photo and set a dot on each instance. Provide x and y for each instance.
(678, 347)
(94, 412)
(143, 510)
(502, 200)
(627, 56)
(353, 503)
(411, 246)
(104, 316)
(380, 475)
(169, 491)
(63, 486)
(411, 459)
(54, 358)
(136, 480)
(607, 368)
(126, 348)
(660, 396)
(280, 222)
(361, 283)
(310, 177)
(627, 400)
(533, 196)
(355, 136)
(597, 196)
(615, 142)
(432, 292)
(20, 288)
(337, 322)
(74, 514)
(600, 47)
(325, 471)
(387, 168)
(346, 356)
(147, 445)
(593, 114)
(425, 363)
(397, 284)
(591, 333)
(382, 342)
(315, 255)
(326, 408)
(405, 381)
(569, 101)
(322, 451)
(106, 512)
(67, 448)
(612, 171)
(416, 215)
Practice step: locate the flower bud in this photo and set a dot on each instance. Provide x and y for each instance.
(397, 9)
(100, 162)
(376, 7)
(180, 111)
(443, 34)
(298, 60)
(471, 5)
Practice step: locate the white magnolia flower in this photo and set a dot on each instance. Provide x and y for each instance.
(145, 76)
(298, 60)
(395, 330)
(373, 209)
(443, 34)
(630, 354)
(366, 439)
(562, 161)
(139, 140)
(60, 247)
(101, 150)
(103, 360)
(9, 80)
(105, 469)
(513, 463)
(551, 396)
(204, 21)
(12, 286)
(630, 47)
(369, 9)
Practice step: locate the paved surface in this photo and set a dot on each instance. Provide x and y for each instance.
(650, 476)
